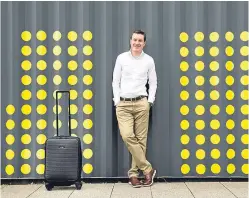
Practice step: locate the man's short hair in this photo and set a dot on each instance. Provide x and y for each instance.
(139, 32)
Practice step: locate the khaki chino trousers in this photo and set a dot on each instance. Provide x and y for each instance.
(133, 121)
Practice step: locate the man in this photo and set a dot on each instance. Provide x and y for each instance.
(132, 71)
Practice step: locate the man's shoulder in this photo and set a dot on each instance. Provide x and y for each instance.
(148, 57)
(124, 54)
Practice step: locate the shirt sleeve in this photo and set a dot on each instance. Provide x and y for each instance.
(116, 81)
(152, 82)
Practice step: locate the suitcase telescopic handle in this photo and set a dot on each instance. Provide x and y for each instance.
(57, 111)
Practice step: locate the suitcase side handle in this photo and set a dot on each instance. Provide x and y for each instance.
(57, 111)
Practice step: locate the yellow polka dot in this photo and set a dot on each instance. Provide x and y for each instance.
(185, 154)
(10, 109)
(185, 139)
(229, 65)
(72, 80)
(26, 154)
(229, 94)
(26, 35)
(214, 36)
(230, 109)
(87, 124)
(72, 36)
(57, 65)
(87, 80)
(41, 124)
(199, 36)
(26, 65)
(25, 169)
(9, 169)
(229, 80)
(26, 124)
(230, 124)
(73, 109)
(59, 123)
(41, 94)
(244, 80)
(10, 124)
(214, 80)
(214, 109)
(231, 168)
(214, 95)
(40, 154)
(74, 124)
(245, 139)
(200, 154)
(184, 66)
(10, 139)
(199, 51)
(87, 153)
(26, 139)
(57, 50)
(229, 36)
(73, 94)
(215, 139)
(87, 35)
(41, 65)
(214, 66)
(87, 50)
(72, 50)
(41, 35)
(184, 110)
(87, 94)
(59, 109)
(199, 109)
(87, 65)
(41, 109)
(245, 124)
(199, 65)
(72, 65)
(229, 51)
(244, 109)
(57, 79)
(41, 139)
(184, 95)
(245, 169)
(40, 169)
(26, 109)
(244, 36)
(200, 169)
(10, 154)
(244, 51)
(26, 80)
(183, 37)
(215, 168)
(87, 138)
(184, 124)
(57, 35)
(215, 124)
(200, 124)
(185, 169)
(26, 50)
(41, 80)
(245, 154)
(244, 65)
(74, 135)
(230, 153)
(200, 139)
(41, 50)
(215, 154)
(230, 139)
(214, 51)
(87, 168)
(199, 95)
(199, 80)
(244, 95)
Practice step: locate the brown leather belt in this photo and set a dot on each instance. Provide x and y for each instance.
(132, 99)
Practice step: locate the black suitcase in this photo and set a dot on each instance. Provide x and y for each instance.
(63, 157)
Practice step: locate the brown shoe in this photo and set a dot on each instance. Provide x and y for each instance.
(135, 182)
(149, 178)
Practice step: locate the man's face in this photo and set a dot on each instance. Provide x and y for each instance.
(137, 42)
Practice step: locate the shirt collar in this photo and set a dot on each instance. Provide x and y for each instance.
(137, 57)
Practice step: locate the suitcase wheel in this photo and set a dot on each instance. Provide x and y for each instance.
(78, 185)
(49, 186)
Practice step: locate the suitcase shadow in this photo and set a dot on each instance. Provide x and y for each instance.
(59, 188)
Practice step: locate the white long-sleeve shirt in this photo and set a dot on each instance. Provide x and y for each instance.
(130, 76)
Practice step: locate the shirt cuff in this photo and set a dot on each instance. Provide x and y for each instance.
(117, 100)
(150, 100)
